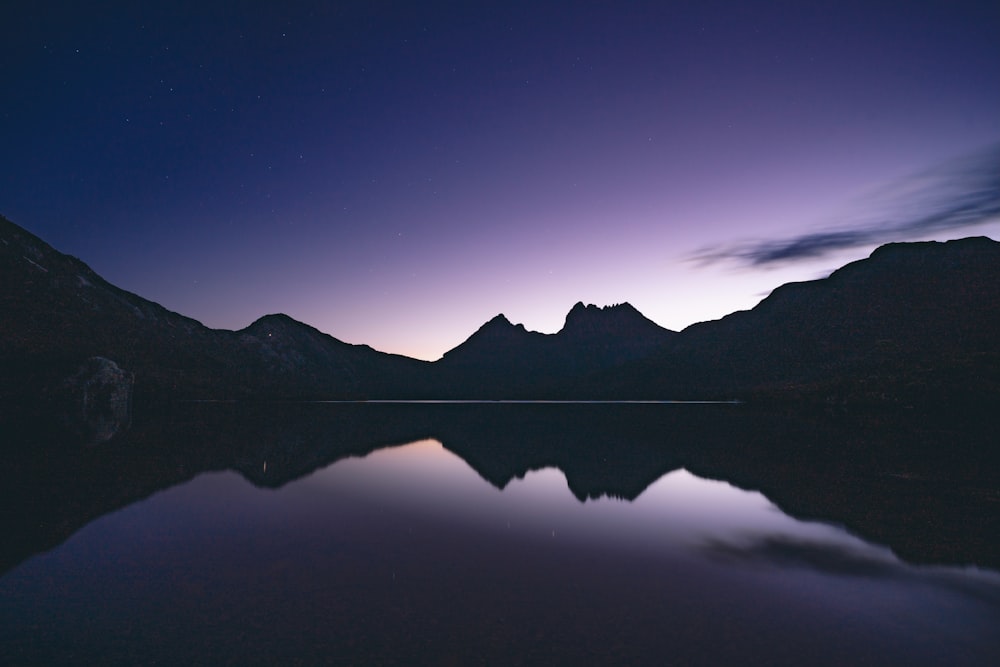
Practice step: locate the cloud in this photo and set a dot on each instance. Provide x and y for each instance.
(783, 552)
(956, 195)
(786, 552)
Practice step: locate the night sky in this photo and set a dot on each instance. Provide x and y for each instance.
(397, 173)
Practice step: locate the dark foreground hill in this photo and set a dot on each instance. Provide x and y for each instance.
(57, 313)
(913, 323)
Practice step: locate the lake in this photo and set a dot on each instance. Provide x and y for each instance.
(459, 534)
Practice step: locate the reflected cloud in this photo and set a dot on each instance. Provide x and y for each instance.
(958, 194)
(783, 552)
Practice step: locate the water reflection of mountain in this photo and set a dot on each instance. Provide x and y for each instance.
(928, 490)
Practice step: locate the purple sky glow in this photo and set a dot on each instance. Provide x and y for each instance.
(396, 173)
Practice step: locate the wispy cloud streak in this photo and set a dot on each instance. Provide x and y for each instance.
(837, 559)
(959, 194)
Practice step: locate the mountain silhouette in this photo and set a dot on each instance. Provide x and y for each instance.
(297, 359)
(912, 322)
(915, 323)
(495, 345)
(613, 334)
(504, 360)
(57, 313)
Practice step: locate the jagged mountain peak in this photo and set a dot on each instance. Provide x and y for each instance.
(594, 337)
(583, 312)
(580, 306)
(620, 319)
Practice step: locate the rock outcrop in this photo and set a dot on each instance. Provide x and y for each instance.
(99, 400)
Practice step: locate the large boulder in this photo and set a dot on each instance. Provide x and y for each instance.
(100, 400)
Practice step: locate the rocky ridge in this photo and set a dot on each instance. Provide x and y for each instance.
(912, 323)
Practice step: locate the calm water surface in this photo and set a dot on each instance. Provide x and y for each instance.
(407, 556)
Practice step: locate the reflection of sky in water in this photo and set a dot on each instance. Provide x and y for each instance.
(409, 550)
(677, 512)
(681, 517)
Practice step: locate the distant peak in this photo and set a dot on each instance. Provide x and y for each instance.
(499, 320)
(619, 318)
(497, 333)
(624, 306)
(581, 312)
(274, 318)
(278, 322)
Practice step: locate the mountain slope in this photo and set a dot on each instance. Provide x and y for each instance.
(57, 312)
(611, 335)
(294, 358)
(909, 314)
